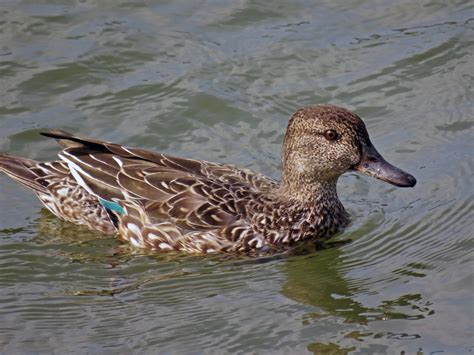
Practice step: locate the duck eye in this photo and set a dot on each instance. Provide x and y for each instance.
(331, 135)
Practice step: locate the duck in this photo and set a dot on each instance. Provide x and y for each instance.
(165, 203)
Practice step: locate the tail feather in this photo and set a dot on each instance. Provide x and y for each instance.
(69, 140)
(20, 169)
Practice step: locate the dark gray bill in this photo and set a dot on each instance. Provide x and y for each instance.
(373, 164)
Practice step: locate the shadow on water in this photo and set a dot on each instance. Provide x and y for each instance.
(319, 280)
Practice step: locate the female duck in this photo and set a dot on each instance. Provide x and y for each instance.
(164, 203)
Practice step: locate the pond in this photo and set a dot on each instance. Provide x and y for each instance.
(217, 80)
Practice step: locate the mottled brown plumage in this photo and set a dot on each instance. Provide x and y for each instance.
(163, 203)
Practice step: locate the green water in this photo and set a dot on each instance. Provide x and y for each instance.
(217, 80)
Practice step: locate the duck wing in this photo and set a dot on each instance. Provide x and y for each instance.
(193, 194)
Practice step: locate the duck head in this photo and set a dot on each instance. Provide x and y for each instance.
(323, 142)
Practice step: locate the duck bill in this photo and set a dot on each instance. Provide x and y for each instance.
(373, 164)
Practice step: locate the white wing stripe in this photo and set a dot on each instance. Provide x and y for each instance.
(119, 162)
(78, 177)
(68, 160)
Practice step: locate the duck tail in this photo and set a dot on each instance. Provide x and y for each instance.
(24, 171)
(69, 140)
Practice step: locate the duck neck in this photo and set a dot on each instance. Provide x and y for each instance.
(316, 192)
(320, 199)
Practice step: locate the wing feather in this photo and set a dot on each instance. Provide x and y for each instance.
(139, 188)
(192, 194)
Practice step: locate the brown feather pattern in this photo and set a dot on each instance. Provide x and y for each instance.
(172, 203)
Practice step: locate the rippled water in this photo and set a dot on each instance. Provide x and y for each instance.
(217, 80)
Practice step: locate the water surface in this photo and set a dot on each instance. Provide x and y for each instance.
(217, 80)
